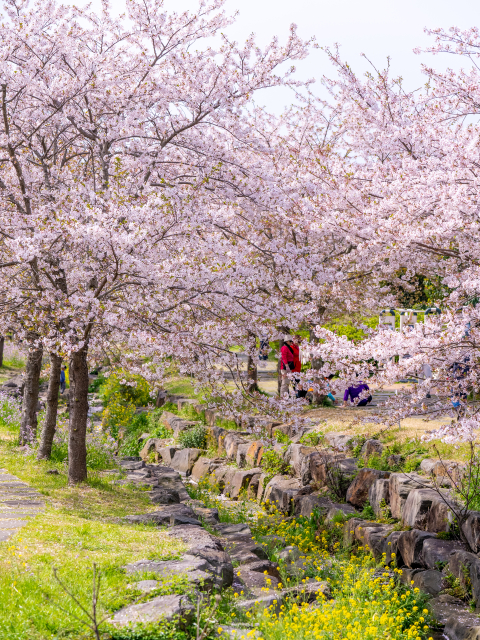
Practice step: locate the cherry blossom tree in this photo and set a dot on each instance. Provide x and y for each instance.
(407, 197)
(120, 177)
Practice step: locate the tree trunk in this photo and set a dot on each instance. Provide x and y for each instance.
(77, 447)
(252, 375)
(50, 425)
(28, 424)
(2, 346)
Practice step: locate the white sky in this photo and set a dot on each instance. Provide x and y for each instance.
(378, 28)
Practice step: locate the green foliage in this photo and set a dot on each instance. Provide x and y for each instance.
(129, 388)
(367, 512)
(312, 439)
(282, 438)
(196, 437)
(273, 464)
(343, 327)
(97, 383)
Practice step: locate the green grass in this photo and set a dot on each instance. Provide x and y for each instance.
(80, 526)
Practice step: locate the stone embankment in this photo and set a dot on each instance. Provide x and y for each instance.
(418, 518)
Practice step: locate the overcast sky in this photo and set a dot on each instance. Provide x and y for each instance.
(378, 28)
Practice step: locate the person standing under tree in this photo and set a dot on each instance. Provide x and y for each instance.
(63, 379)
(289, 362)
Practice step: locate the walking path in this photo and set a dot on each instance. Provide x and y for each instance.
(18, 501)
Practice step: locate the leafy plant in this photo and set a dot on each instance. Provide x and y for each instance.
(196, 437)
(367, 511)
(96, 383)
(273, 464)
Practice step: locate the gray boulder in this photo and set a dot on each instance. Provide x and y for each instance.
(458, 621)
(379, 493)
(370, 448)
(410, 545)
(168, 515)
(425, 509)
(471, 530)
(337, 508)
(357, 493)
(466, 567)
(430, 581)
(239, 482)
(304, 505)
(196, 570)
(256, 580)
(184, 459)
(166, 608)
(281, 490)
(436, 552)
(400, 486)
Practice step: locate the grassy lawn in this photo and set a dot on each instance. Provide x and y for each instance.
(80, 526)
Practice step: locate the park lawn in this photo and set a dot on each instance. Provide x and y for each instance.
(80, 526)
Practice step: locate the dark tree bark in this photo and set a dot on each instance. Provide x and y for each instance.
(252, 375)
(2, 346)
(28, 424)
(48, 431)
(78, 396)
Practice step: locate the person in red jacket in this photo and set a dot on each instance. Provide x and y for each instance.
(289, 361)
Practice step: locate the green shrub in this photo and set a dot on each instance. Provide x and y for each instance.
(195, 438)
(97, 383)
(273, 464)
(127, 387)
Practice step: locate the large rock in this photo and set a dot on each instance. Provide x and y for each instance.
(281, 491)
(167, 454)
(132, 463)
(256, 580)
(196, 570)
(203, 467)
(370, 448)
(425, 509)
(324, 465)
(471, 530)
(459, 622)
(231, 443)
(242, 451)
(175, 423)
(466, 567)
(295, 455)
(184, 459)
(379, 495)
(262, 483)
(339, 441)
(437, 552)
(304, 505)
(202, 544)
(166, 608)
(442, 468)
(254, 454)
(400, 486)
(239, 482)
(375, 539)
(172, 514)
(166, 478)
(253, 486)
(357, 493)
(152, 445)
(430, 581)
(349, 529)
(337, 508)
(410, 545)
(391, 550)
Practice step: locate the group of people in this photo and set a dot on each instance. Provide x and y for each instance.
(291, 362)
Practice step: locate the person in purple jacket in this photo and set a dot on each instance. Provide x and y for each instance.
(353, 392)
